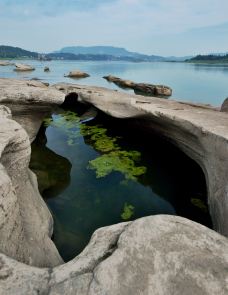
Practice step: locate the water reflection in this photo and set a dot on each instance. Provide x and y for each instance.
(144, 176)
(52, 170)
(211, 68)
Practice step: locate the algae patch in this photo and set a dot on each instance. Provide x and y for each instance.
(112, 159)
(119, 161)
(128, 211)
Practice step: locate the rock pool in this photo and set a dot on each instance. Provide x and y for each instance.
(94, 172)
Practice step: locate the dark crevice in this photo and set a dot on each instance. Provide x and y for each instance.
(71, 100)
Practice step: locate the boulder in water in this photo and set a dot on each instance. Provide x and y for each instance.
(141, 88)
(77, 74)
(23, 68)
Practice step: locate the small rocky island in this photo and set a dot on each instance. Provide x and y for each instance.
(23, 68)
(77, 74)
(155, 255)
(141, 88)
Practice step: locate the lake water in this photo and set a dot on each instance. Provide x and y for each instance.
(190, 82)
(107, 171)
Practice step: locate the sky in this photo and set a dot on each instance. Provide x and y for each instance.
(160, 27)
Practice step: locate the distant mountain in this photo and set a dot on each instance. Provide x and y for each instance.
(109, 52)
(210, 58)
(101, 57)
(96, 53)
(16, 52)
(103, 50)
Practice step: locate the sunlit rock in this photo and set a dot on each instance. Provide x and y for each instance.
(77, 74)
(23, 68)
(141, 88)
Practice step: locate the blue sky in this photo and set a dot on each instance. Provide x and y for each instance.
(161, 27)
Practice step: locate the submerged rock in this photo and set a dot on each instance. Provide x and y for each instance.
(77, 74)
(23, 68)
(141, 88)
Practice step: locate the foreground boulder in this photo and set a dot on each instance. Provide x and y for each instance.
(77, 74)
(141, 88)
(23, 68)
(154, 255)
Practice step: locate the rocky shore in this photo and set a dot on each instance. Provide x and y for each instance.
(153, 255)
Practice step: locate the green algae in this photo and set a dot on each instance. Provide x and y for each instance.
(128, 211)
(113, 158)
(119, 161)
(99, 139)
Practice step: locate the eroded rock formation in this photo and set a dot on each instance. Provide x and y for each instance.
(29, 102)
(158, 254)
(141, 88)
(25, 222)
(200, 131)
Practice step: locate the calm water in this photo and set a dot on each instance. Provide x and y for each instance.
(190, 82)
(100, 173)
